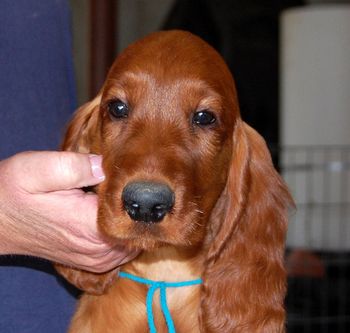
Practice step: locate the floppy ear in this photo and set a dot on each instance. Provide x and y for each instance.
(83, 130)
(82, 136)
(244, 280)
(92, 283)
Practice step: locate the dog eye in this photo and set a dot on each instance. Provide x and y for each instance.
(118, 109)
(203, 118)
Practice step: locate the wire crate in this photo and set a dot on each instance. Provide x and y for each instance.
(318, 242)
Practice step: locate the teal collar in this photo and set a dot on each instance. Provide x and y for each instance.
(162, 286)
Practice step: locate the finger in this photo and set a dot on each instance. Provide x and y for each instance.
(53, 171)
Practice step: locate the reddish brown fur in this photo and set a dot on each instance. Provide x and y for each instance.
(229, 220)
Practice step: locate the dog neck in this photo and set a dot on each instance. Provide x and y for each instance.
(167, 264)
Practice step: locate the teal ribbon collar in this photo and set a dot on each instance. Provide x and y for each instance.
(162, 286)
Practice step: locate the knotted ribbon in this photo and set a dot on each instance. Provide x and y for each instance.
(162, 286)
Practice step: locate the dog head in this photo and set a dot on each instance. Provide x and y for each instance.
(164, 124)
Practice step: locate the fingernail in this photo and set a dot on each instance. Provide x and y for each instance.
(96, 166)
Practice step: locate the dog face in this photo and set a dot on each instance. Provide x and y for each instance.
(165, 122)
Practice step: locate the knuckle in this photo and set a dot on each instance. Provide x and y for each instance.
(68, 167)
(75, 167)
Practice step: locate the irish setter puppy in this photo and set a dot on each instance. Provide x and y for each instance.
(192, 186)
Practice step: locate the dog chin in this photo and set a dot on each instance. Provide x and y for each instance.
(144, 244)
(148, 242)
(147, 237)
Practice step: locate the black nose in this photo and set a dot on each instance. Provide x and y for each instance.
(147, 201)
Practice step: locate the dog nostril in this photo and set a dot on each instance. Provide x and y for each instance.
(135, 206)
(132, 209)
(147, 201)
(159, 211)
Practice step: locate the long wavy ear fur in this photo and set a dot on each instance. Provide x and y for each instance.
(83, 128)
(245, 281)
(81, 136)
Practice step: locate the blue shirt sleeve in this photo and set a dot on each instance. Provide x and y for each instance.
(37, 97)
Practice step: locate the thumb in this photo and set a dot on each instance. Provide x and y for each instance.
(49, 171)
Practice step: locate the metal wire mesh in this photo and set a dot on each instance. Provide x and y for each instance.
(318, 242)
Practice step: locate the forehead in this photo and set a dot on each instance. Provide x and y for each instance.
(173, 57)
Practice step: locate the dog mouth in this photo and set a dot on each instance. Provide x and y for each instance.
(147, 203)
(149, 214)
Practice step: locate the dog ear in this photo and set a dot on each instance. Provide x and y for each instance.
(83, 128)
(244, 280)
(82, 136)
(92, 283)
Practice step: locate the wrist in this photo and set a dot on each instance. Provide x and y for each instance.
(11, 239)
(7, 240)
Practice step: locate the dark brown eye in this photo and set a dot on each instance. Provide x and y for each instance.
(203, 118)
(118, 109)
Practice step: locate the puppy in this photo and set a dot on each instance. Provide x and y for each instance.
(192, 186)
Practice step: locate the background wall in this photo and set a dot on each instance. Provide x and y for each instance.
(135, 18)
(80, 30)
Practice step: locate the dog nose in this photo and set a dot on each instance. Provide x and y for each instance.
(147, 201)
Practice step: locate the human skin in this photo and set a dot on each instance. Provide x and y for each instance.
(45, 213)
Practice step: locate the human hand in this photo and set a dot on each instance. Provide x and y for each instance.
(44, 212)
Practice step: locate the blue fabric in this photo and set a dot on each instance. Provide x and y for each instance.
(162, 286)
(36, 76)
(37, 97)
